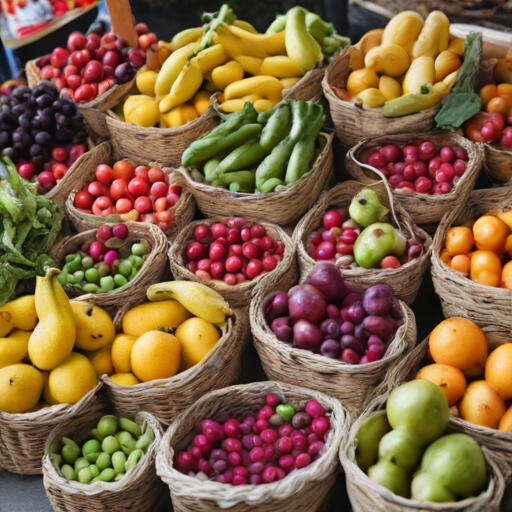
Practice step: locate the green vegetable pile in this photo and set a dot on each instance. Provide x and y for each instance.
(251, 152)
(29, 225)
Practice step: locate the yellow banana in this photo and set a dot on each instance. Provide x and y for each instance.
(434, 36)
(244, 25)
(226, 74)
(172, 68)
(281, 66)
(181, 39)
(421, 72)
(250, 64)
(264, 104)
(183, 89)
(268, 87)
(240, 42)
(210, 58)
(237, 105)
(289, 82)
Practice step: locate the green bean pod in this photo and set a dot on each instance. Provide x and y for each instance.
(277, 128)
(243, 157)
(133, 459)
(130, 426)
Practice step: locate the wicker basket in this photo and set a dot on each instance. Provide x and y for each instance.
(303, 490)
(151, 272)
(238, 296)
(405, 280)
(95, 111)
(139, 490)
(166, 398)
(484, 305)
(498, 165)
(353, 385)
(163, 145)
(423, 208)
(286, 206)
(366, 495)
(183, 211)
(354, 123)
(23, 436)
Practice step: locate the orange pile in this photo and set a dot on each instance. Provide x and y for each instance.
(482, 250)
(459, 350)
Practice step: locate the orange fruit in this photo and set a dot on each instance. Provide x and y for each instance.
(482, 405)
(445, 257)
(450, 379)
(490, 233)
(461, 343)
(485, 268)
(498, 370)
(461, 263)
(506, 421)
(459, 240)
(506, 276)
(487, 93)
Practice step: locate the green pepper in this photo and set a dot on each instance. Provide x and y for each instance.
(277, 128)
(245, 180)
(242, 157)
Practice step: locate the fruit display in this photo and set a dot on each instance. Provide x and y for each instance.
(263, 447)
(90, 65)
(233, 251)
(138, 193)
(108, 262)
(251, 152)
(408, 67)
(356, 236)
(494, 123)
(29, 225)
(323, 316)
(228, 55)
(481, 249)
(419, 166)
(406, 450)
(42, 134)
(475, 380)
(112, 449)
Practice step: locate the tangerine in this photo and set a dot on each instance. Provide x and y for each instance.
(459, 240)
(506, 421)
(482, 405)
(450, 379)
(498, 370)
(490, 233)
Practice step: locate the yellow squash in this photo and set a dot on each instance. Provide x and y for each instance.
(389, 59)
(141, 110)
(226, 74)
(434, 37)
(446, 62)
(186, 85)
(179, 116)
(421, 72)
(181, 39)
(403, 30)
(250, 64)
(390, 88)
(210, 58)
(267, 87)
(240, 42)
(280, 66)
(457, 46)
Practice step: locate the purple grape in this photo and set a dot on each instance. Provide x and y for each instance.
(63, 134)
(4, 139)
(43, 138)
(349, 341)
(44, 101)
(69, 108)
(124, 73)
(331, 349)
(61, 119)
(347, 328)
(36, 150)
(330, 329)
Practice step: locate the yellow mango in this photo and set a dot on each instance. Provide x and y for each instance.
(179, 116)
(23, 312)
(141, 110)
(390, 59)
(372, 98)
(389, 88)
(434, 36)
(289, 82)
(101, 361)
(227, 74)
(457, 46)
(5, 323)
(146, 81)
(506, 217)
(14, 348)
(201, 101)
(446, 62)
(361, 79)
(421, 72)
(21, 386)
(94, 327)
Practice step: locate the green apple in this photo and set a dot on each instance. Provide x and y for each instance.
(369, 435)
(391, 477)
(401, 448)
(425, 487)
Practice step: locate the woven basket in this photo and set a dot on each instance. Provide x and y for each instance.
(498, 165)
(166, 398)
(354, 123)
(423, 208)
(308, 88)
(484, 305)
(183, 211)
(284, 207)
(151, 272)
(238, 296)
(23, 436)
(351, 384)
(138, 490)
(366, 495)
(405, 280)
(303, 490)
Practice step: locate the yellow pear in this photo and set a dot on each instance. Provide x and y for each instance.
(94, 327)
(47, 395)
(54, 336)
(21, 386)
(23, 312)
(14, 348)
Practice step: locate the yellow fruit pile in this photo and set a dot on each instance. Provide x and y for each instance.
(459, 350)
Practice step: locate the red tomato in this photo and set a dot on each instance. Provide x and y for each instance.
(142, 172)
(118, 188)
(160, 204)
(124, 170)
(83, 200)
(123, 205)
(155, 175)
(498, 121)
(96, 188)
(103, 202)
(142, 204)
(165, 216)
(59, 170)
(159, 189)
(175, 189)
(139, 187)
(104, 174)
(173, 199)
(390, 262)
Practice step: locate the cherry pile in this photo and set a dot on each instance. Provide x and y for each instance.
(335, 240)
(233, 250)
(92, 64)
(262, 448)
(139, 193)
(420, 166)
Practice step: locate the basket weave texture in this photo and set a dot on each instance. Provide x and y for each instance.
(303, 490)
(405, 280)
(139, 490)
(498, 165)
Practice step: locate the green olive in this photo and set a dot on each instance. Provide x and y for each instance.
(68, 472)
(107, 283)
(92, 275)
(104, 461)
(118, 461)
(81, 463)
(110, 445)
(108, 425)
(125, 267)
(90, 446)
(85, 475)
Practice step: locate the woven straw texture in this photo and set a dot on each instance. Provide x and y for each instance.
(95, 111)
(484, 305)
(366, 495)
(163, 145)
(498, 165)
(151, 272)
(354, 123)
(183, 211)
(308, 88)
(284, 207)
(23, 436)
(304, 490)
(353, 385)
(139, 490)
(166, 398)
(423, 208)
(499, 442)
(405, 280)
(238, 296)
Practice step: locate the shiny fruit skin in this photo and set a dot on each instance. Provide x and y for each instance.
(450, 379)
(498, 370)
(482, 405)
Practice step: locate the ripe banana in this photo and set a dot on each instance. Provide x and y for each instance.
(54, 335)
(210, 58)
(244, 25)
(200, 300)
(240, 42)
(184, 88)
(280, 66)
(237, 105)
(268, 87)
(181, 39)
(250, 64)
